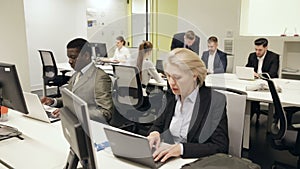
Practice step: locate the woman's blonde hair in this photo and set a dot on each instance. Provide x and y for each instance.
(186, 59)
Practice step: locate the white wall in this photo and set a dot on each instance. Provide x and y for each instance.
(50, 24)
(206, 18)
(13, 44)
(217, 18)
(261, 18)
(111, 21)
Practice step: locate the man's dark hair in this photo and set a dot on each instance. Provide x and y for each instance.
(212, 39)
(81, 44)
(261, 41)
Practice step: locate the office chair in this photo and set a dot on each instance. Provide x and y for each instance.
(50, 73)
(236, 116)
(284, 133)
(230, 63)
(132, 111)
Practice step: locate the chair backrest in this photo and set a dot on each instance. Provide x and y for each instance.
(159, 66)
(127, 86)
(236, 106)
(230, 62)
(279, 124)
(49, 65)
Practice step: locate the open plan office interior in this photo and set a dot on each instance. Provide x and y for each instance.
(28, 26)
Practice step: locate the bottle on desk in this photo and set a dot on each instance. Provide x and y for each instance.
(3, 113)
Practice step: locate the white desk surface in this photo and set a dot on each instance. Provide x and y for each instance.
(290, 94)
(44, 146)
(154, 82)
(66, 66)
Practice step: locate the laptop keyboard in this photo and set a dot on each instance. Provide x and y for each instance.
(157, 163)
(51, 117)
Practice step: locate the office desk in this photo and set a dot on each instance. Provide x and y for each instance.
(155, 83)
(66, 66)
(44, 146)
(106, 159)
(290, 95)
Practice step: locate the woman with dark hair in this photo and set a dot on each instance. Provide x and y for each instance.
(122, 53)
(145, 66)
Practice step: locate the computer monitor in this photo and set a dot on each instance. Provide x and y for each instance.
(99, 49)
(159, 66)
(76, 128)
(11, 92)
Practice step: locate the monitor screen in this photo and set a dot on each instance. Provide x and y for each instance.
(99, 49)
(10, 88)
(76, 128)
(159, 66)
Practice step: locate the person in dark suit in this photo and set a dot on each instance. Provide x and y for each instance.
(90, 83)
(214, 59)
(194, 121)
(263, 61)
(186, 40)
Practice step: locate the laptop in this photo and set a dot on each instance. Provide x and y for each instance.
(244, 73)
(131, 147)
(37, 110)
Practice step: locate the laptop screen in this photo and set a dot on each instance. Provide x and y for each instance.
(131, 147)
(245, 73)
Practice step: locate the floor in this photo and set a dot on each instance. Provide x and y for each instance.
(261, 152)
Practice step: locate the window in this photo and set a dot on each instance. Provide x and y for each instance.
(269, 17)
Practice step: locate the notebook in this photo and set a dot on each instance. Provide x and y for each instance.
(244, 73)
(37, 110)
(131, 147)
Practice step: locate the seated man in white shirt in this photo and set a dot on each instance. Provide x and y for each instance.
(263, 61)
(214, 59)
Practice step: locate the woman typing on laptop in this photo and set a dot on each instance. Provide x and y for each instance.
(194, 121)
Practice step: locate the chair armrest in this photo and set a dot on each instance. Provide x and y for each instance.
(64, 72)
(296, 126)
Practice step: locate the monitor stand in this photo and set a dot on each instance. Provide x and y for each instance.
(72, 161)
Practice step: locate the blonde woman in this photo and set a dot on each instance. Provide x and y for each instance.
(194, 121)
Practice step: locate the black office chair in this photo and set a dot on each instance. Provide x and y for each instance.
(284, 133)
(50, 73)
(132, 110)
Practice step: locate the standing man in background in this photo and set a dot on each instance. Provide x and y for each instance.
(186, 40)
(214, 59)
(263, 61)
(90, 83)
